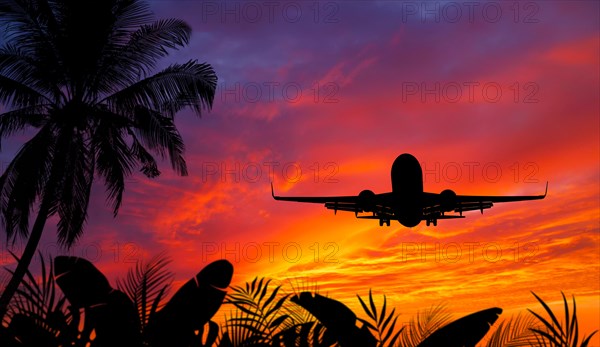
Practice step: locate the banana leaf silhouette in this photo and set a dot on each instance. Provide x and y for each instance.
(81, 282)
(183, 318)
(464, 332)
(109, 313)
(339, 320)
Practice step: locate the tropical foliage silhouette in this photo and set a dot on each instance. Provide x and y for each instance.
(87, 311)
(516, 331)
(383, 324)
(559, 333)
(423, 324)
(78, 73)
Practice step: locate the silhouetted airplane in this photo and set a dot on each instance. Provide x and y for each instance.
(407, 203)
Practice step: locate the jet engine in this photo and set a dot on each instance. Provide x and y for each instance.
(447, 200)
(366, 199)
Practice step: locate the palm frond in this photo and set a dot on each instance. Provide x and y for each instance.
(513, 332)
(20, 119)
(159, 134)
(30, 26)
(111, 73)
(130, 14)
(24, 181)
(261, 308)
(149, 165)
(127, 64)
(296, 286)
(73, 189)
(384, 323)
(151, 41)
(147, 285)
(559, 333)
(19, 95)
(114, 161)
(39, 300)
(423, 325)
(18, 65)
(240, 329)
(178, 86)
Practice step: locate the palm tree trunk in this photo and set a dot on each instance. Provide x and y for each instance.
(25, 260)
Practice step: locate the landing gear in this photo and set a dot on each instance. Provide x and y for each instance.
(386, 221)
(433, 220)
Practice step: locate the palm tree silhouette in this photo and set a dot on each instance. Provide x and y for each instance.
(79, 73)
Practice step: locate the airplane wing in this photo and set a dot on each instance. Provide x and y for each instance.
(438, 203)
(379, 204)
(382, 205)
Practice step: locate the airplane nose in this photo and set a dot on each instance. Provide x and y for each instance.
(404, 159)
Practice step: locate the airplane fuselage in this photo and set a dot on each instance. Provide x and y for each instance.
(407, 187)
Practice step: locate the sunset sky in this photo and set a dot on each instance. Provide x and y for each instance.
(321, 97)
